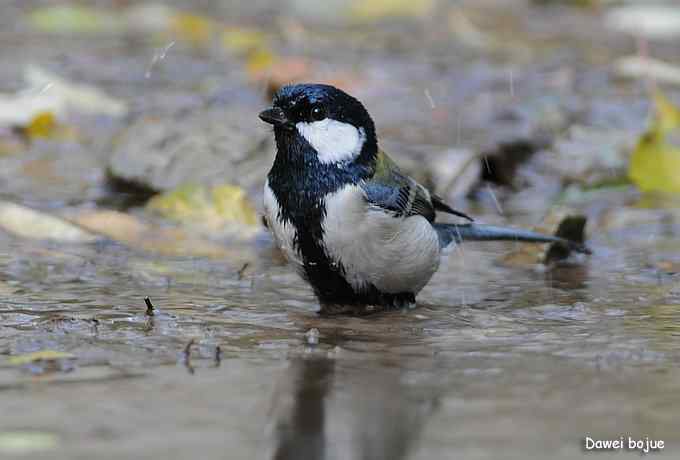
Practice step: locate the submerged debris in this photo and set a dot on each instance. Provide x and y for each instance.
(218, 356)
(312, 336)
(562, 222)
(571, 228)
(186, 356)
(149, 307)
(44, 362)
(242, 270)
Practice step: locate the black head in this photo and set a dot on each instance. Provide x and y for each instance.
(333, 123)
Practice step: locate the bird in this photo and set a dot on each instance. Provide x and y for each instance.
(360, 231)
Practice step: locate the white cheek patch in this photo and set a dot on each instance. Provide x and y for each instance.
(333, 140)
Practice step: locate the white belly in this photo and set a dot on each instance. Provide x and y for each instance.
(394, 254)
(284, 233)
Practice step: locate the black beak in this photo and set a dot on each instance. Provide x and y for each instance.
(275, 116)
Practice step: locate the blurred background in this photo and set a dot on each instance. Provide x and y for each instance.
(132, 163)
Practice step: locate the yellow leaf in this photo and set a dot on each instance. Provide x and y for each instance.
(259, 61)
(212, 207)
(69, 19)
(195, 29)
(233, 204)
(371, 10)
(43, 125)
(242, 40)
(655, 162)
(667, 114)
(44, 355)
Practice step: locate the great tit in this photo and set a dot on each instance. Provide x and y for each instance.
(360, 231)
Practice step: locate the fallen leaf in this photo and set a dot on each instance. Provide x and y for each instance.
(44, 355)
(242, 39)
(48, 93)
(42, 125)
(29, 223)
(260, 62)
(372, 10)
(233, 205)
(132, 232)
(76, 97)
(17, 110)
(69, 19)
(194, 29)
(670, 267)
(44, 362)
(251, 43)
(655, 162)
(210, 207)
(27, 442)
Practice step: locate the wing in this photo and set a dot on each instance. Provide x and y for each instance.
(400, 194)
(439, 205)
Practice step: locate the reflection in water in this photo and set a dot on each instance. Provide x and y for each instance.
(567, 276)
(328, 409)
(300, 426)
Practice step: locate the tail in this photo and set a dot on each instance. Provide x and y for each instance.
(476, 232)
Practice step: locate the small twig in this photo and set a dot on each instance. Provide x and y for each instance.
(243, 270)
(187, 349)
(95, 325)
(186, 356)
(149, 307)
(218, 356)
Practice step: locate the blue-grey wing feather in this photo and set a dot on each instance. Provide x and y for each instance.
(400, 194)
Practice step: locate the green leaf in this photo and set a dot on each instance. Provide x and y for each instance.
(212, 207)
(68, 19)
(25, 442)
(655, 163)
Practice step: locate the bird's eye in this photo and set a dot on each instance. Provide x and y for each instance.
(317, 113)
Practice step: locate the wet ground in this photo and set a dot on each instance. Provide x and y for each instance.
(499, 359)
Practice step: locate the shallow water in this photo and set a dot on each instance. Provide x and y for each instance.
(521, 361)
